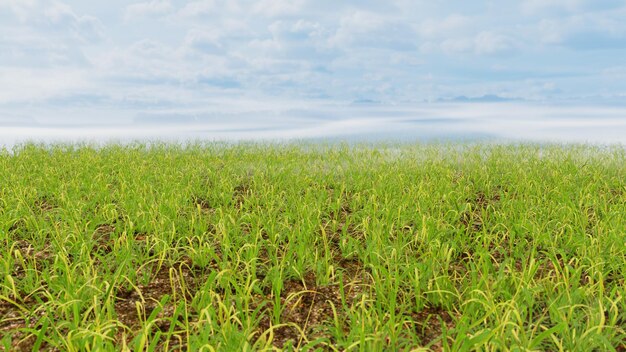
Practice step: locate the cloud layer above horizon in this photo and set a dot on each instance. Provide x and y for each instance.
(176, 55)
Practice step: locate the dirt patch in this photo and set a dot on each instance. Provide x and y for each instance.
(240, 193)
(614, 278)
(306, 308)
(428, 324)
(337, 222)
(14, 320)
(27, 250)
(32, 258)
(179, 281)
(457, 177)
(592, 218)
(351, 265)
(472, 219)
(140, 235)
(353, 268)
(616, 195)
(547, 267)
(102, 236)
(17, 226)
(482, 200)
(203, 204)
(45, 204)
(502, 249)
(246, 229)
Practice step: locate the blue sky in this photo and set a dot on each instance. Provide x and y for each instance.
(78, 62)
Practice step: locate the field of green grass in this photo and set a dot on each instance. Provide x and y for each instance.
(302, 247)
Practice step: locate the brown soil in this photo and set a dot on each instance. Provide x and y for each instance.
(428, 325)
(472, 219)
(102, 235)
(240, 193)
(307, 308)
(33, 258)
(45, 204)
(203, 203)
(179, 281)
(19, 224)
(13, 321)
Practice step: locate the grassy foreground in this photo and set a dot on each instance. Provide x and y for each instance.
(258, 247)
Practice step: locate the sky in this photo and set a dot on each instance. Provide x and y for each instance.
(308, 65)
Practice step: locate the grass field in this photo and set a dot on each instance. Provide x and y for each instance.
(260, 247)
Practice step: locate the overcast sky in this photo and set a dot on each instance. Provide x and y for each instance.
(109, 60)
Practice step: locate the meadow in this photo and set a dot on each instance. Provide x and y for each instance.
(216, 247)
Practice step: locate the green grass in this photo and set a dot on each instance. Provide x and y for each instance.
(260, 247)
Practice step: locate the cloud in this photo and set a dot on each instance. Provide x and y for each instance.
(23, 50)
(542, 6)
(46, 35)
(148, 61)
(459, 34)
(54, 17)
(275, 8)
(147, 9)
(550, 31)
(560, 7)
(450, 25)
(456, 45)
(86, 28)
(177, 53)
(490, 43)
(27, 85)
(202, 41)
(210, 8)
(588, 31)
(615, 72)
(21, 9)
(594, 40)
(367, 29)
(524, 122)
(483, 43)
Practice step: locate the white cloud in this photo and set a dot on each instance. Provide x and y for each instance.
(451, 25)
(274, 8)
(211, 8)
(300, 30)
(560, 7)
(46, 37)
(146, 60)
(551, 31)
(203, 41)
(22, 9)
(180, 52)
(583, 31)
(541, 6)
(147, 9)
(615, 73)
(56, 17)
(87, 28)
(21, 85)
(456, 46)
(459, 34)
(524, 122)
(483, 43)
(364, 29)
(489, 43)
(360, 22)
